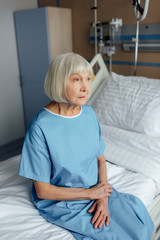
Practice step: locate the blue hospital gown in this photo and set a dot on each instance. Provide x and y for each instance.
(63, 151)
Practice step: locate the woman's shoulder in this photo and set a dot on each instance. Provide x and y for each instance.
(39, 116)
(88, 109)
(39, 120)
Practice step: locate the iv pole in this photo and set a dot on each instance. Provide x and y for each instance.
(95, 22)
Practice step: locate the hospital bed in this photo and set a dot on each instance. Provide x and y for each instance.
(128, 109)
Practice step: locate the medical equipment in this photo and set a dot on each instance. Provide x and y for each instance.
(149, 37)
(108, 37)
(114, 40)
(113, 30)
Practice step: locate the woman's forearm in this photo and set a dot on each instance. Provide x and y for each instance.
(102, 169)
(51, 192)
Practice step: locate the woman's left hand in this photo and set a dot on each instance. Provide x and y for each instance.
(101, 213)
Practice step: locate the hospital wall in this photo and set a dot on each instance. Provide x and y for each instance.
(123, 62)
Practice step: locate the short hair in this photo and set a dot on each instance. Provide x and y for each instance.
(60, 69)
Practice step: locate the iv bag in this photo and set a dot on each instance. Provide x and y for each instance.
(115, 33)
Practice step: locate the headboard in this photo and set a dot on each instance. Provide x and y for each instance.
(100, 73)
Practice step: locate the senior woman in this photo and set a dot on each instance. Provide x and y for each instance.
(63, 155)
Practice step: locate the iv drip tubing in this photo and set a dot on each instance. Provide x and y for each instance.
(145, 10)
(110, 64)
(136, 48)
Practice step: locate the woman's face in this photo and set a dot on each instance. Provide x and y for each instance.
(78, 88)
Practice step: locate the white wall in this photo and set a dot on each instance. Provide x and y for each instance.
(11, 106)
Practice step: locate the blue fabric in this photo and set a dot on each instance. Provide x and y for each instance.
(63, 151)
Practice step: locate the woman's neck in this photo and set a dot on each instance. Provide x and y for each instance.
(69, 110)
(64, 109)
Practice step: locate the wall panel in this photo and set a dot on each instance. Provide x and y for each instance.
(11, 104)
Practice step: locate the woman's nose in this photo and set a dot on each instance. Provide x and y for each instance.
(83, 86)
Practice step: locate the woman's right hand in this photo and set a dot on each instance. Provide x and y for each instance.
(101, 190)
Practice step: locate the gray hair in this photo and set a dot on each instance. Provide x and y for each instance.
(60, 69)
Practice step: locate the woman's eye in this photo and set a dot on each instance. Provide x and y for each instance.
(88, 78)
(75, 79)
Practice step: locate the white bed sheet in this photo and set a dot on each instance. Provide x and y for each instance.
(130, 182)
(20, 220)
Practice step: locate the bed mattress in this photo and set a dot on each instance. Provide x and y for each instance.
(20, 220)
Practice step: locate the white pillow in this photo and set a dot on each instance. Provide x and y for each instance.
(131, 103)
